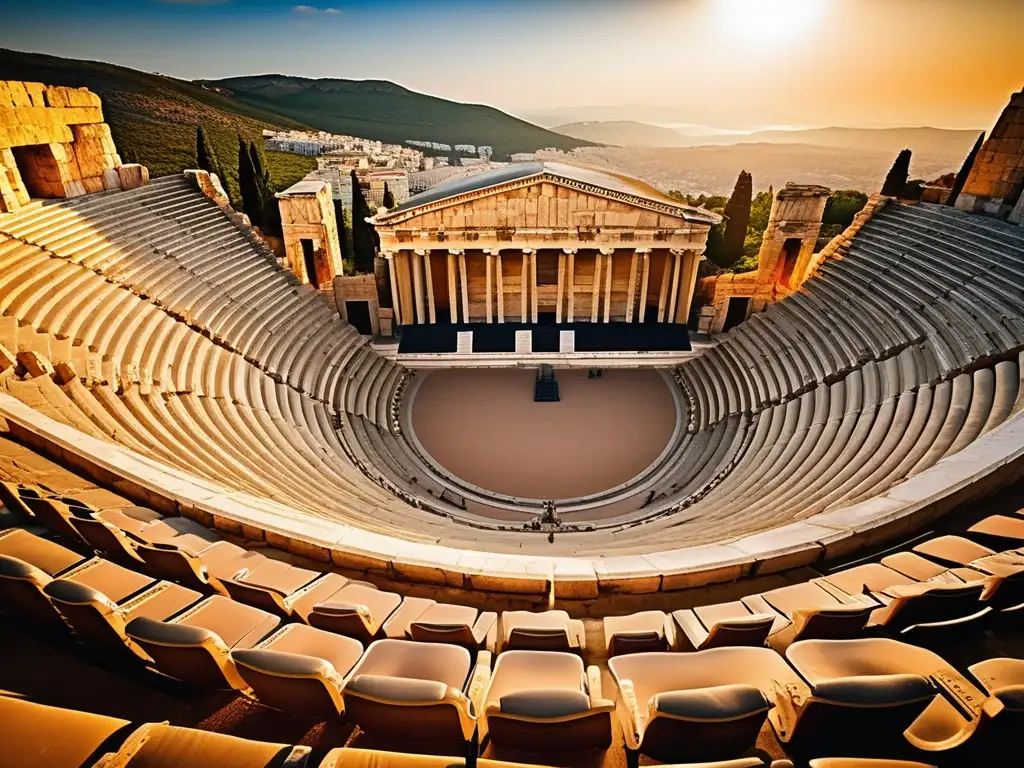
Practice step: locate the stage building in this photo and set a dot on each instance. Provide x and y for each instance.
(542, 243)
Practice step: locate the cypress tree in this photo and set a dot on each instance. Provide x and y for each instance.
(389, 199)
(206, 158)
(965, 170)
(738, 212)
(252, 201)
(362, 232)
(896, 179)
(262, 175)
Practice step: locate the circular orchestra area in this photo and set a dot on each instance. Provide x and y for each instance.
(486, 430)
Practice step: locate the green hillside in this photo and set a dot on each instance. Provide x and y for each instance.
(153, 118)
(387, 112)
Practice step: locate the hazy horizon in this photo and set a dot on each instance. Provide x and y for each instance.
(726, 65)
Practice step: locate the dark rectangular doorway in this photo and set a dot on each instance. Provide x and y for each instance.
(736, 312)
(309, 258)
(359, 316)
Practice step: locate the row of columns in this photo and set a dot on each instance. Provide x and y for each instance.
(421, 309)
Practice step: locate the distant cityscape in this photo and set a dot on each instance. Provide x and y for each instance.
(405, 169)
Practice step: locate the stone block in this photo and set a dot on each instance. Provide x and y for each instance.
(133, 175)
(34, 363)
(111, 179)
(91, 184)
(7, 358)
(18, 94)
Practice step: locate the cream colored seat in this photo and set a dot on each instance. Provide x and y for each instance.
(299, 669)
(106, 537)
(195, 645)
(420, 692)
(456, 624)
(36, 736)
(706, 705)
(724, 624)
(544, 701)
(196, 562)
(99, 619)
(999, 531)
(888, 689)
(267, 584)
(906, 604)
(542, 631)
(812, 612)
(638, 633)
(22, 596)
(48, 556)
(1003, 680)
(167, 746)
(357, 610)
(40, 505)
(347, 757)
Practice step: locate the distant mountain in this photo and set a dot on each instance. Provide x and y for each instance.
(382, 110)
(153, 118)
(939, 141)
(625, 133)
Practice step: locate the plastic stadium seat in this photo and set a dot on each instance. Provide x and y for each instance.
(357, 610)
(813, 612)
(299, 669)
(48, 556)
(638, 633)
(194, 646)
(706, 705)
(542, 631)
(22, 595)
(542, 701)
(725, 624)
(37, 736)
(456, 624)
(421, 692)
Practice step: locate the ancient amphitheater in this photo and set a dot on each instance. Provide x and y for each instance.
(223, 510)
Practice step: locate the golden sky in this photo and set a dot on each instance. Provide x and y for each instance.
(734, 64)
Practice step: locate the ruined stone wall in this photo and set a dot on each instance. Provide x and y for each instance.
(307, 213)
(783, 263)
(996, 180)
(54, 144)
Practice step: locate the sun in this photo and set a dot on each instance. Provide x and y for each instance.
(769, 21)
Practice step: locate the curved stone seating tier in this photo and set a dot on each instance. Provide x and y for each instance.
(203, 374)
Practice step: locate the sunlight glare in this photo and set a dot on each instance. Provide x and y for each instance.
(770, 21)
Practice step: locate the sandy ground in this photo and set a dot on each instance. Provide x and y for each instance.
(483, 426)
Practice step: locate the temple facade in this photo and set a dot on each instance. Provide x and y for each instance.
(542, 242)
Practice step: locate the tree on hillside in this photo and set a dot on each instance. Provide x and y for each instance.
(842, 205)
(259, 166)
(737, 210)
(760, 210)
(389, 199)
(965, 170)
(896, 179)
(343, 234)
(206, 158)
(362, 232)
(252, 199)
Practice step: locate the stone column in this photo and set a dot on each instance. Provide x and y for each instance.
(677, 262)
(595, 293)
(645, 278)
(393, 279)
(524, 307)
(501, 287)
(429, 280)
(533, 287)
(465, 286)
(631, 291)
(561, 286)
(571, 284)
(688, 284)
(666, 276)
(490, 284)
(453, 291)
(608, 255)
(417, 286)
